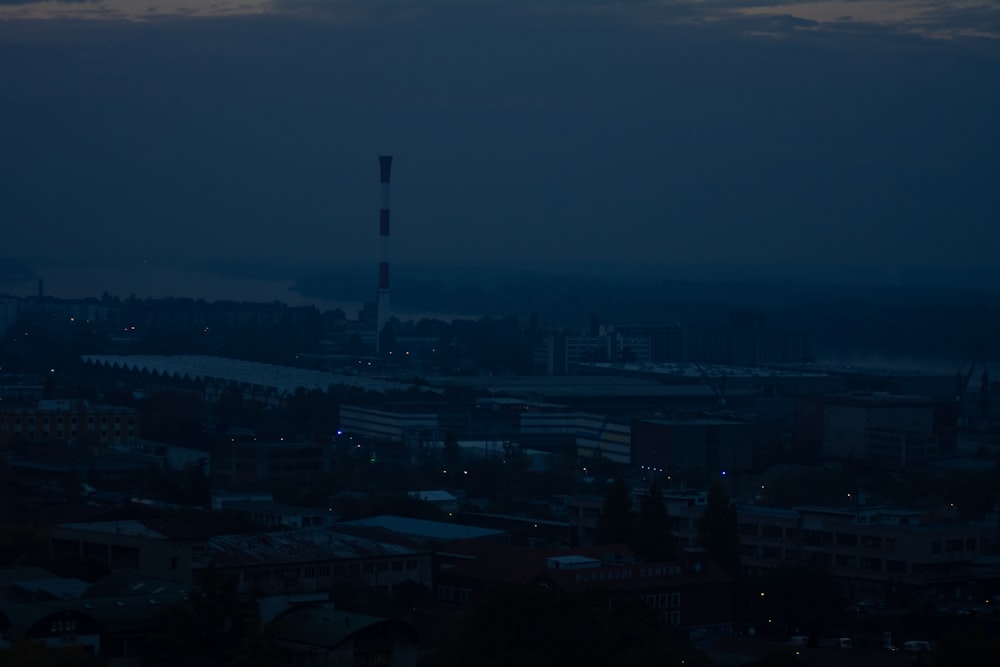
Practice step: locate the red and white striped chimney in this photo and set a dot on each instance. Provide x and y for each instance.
(382, 303)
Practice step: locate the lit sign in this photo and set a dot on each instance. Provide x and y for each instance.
(596, 576)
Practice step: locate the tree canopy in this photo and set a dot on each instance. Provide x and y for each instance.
(654, 540)
(718, 531)
(646, 531)
(615, 523)
(528, 625)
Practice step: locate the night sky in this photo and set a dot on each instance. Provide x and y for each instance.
(843, 141)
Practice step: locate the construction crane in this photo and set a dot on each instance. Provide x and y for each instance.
(718, 387)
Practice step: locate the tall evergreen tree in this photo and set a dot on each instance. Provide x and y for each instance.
(614, 526)
(718, 531)
(654, 540)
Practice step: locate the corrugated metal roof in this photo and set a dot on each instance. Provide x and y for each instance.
(159, 528)
(9, 575)
(326, 628)
(434, 496)
(300, 546)
(284, 380)
(131, 528)
(113, 615)
(436, 530)
(55, 588)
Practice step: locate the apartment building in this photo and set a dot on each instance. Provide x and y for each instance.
(691, 593)
(69, 422)
(877, 551)
(557, 355)
(278, 515)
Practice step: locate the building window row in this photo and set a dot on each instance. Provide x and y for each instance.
(289, 573)
(454, 594)
(62, 625)
(664, 600)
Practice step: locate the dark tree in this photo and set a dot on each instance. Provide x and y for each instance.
(654, 540)
(22, 545)
(175, 418)
(790, 599)
(614, 526)
(25, 652)
(208, 630)
(528, 625)
(718, 531)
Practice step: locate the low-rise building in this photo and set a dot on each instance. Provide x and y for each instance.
(278, 515)
(253, 465)
(317, 559)
(172, 457)
(69, 422)
(154, 548)
(690, 594)
(273, 562)
(875, 551)
(107, 621)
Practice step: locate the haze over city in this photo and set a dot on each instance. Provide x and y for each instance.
(818, 142)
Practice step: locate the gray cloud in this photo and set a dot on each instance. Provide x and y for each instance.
(35, 2)
(938, 18)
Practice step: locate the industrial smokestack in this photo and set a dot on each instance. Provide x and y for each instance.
(382, 302)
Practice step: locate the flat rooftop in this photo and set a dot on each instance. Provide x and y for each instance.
(421, 528)
(309, 545)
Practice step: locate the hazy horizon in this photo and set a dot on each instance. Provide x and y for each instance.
(77, 278)
(737, 140)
